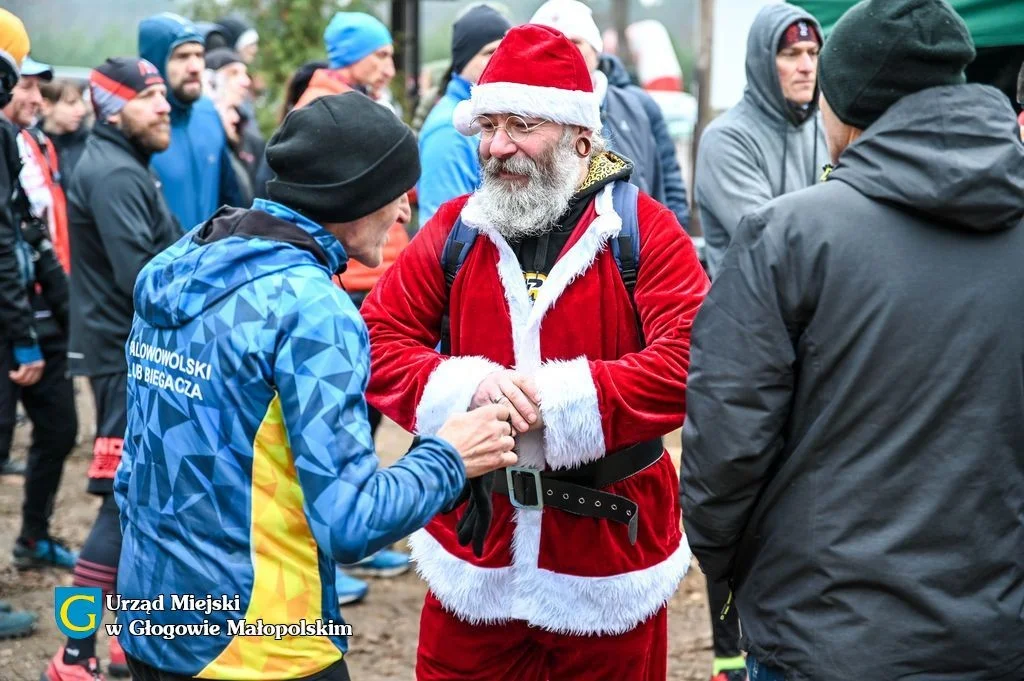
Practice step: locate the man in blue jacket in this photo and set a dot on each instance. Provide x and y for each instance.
(451, 163)
(195, 171)
(248, 469)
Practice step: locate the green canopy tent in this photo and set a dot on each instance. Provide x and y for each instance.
(993, 23)
(997, 27)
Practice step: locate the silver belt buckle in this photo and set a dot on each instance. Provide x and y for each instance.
(525, 470)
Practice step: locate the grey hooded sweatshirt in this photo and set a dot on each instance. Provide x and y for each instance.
(854, 438)
(759, 149)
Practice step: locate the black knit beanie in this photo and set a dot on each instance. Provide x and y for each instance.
(475, 29)
(883, 50)
(340, 158)
(233, 27)
(221, 57)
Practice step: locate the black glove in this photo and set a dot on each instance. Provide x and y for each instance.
(476, 521)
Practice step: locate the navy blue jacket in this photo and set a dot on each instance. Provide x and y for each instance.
(624, 120)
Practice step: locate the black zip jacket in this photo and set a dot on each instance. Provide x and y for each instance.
(853, 453)
(117, 221)
(16, 313)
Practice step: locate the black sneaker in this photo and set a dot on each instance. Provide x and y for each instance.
(12, 467)
(48, 552)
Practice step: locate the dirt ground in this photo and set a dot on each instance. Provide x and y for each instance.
(385, 625)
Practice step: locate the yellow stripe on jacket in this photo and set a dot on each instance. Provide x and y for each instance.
(286, 583)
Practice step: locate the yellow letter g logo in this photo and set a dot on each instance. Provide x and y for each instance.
(77, 610)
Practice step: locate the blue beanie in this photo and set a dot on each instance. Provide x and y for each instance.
(353, 35)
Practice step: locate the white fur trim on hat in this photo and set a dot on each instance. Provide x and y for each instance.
(568, 107)
(248, 37)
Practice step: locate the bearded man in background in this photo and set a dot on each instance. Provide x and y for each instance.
(562, 291)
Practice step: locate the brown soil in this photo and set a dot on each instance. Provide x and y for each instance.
(385, 625)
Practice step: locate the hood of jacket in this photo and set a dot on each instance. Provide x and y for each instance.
(763, 86)
(952, 153)
(233, 248)
(158, 36)
(612, 67)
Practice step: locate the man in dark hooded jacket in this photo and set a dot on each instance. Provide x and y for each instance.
(771, 142)
(854, 462)
(634, 119)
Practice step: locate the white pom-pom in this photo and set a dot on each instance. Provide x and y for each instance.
(462, 118)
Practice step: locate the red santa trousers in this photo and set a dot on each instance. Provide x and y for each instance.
(453, 650)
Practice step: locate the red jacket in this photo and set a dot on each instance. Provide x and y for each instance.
(40, 178)
(599, 393)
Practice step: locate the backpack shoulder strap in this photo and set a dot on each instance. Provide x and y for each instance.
(626, 246)
(456, 247)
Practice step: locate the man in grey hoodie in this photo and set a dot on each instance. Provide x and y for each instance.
(772, 142)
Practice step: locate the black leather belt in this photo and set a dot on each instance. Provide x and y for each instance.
(578, 490)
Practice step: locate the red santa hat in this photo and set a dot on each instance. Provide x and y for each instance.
(536, 72)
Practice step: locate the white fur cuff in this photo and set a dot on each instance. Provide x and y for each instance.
(573, 434)
(449, 390)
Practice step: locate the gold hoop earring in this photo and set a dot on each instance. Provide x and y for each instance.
(584, 150)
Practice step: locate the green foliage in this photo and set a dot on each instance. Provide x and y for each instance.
(61, 44)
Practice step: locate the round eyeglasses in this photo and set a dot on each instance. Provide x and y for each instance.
(515, 127)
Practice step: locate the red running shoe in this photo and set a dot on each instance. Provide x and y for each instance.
(118, 664)
(58, 671)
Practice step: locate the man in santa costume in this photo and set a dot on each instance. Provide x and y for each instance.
(539, 296)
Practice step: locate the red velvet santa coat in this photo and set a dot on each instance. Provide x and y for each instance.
(599, 393)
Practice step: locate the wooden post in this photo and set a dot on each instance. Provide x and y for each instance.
(707, 24)
(399, 32)
(405, 27)
(412, 58)
(620, 20)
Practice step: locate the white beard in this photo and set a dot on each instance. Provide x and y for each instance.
(521, 212)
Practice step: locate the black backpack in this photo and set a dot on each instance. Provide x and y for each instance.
(625, 248)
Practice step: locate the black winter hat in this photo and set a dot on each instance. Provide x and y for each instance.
(883, 50)
(234, 27)
(221, 57)
(477, 28)
(340, 158)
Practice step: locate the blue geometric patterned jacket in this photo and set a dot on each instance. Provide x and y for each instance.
(248, 467)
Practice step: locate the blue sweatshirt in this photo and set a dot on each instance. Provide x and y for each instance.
(451, 166)
(195, 171)
(248, 467)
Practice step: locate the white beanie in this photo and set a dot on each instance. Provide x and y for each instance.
(572, 18)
